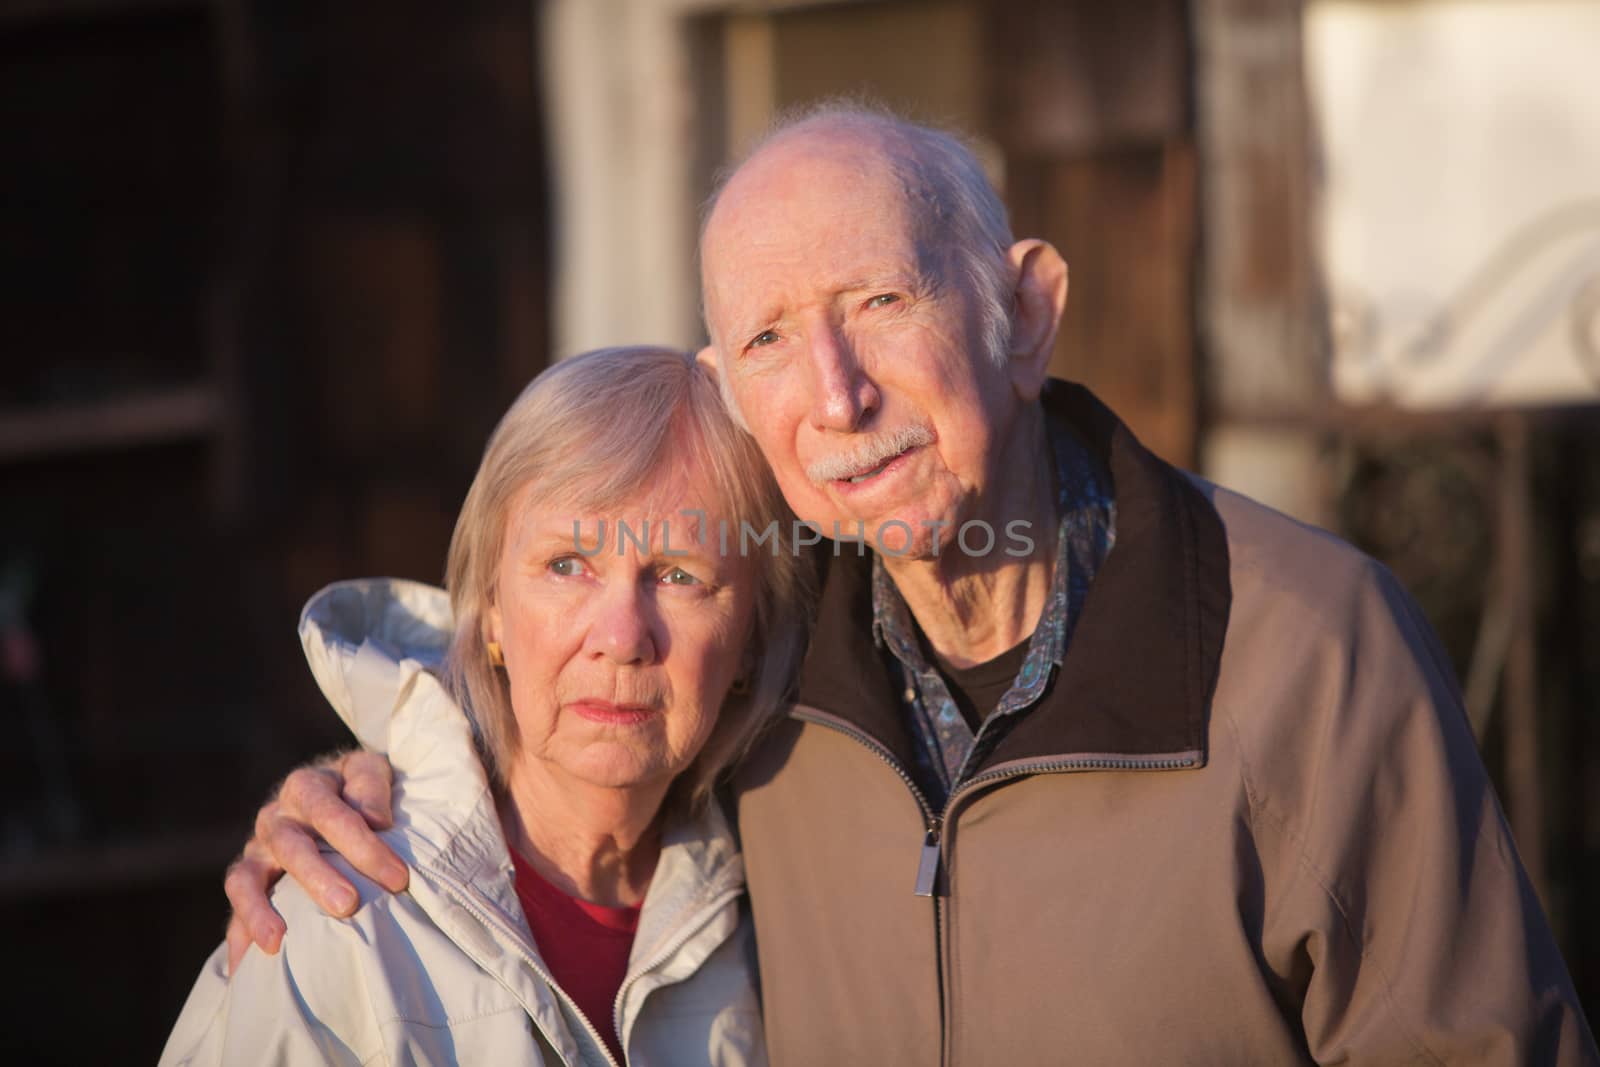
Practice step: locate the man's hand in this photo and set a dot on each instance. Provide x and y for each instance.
(342, 800)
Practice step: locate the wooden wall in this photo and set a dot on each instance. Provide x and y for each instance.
(274, 270)
(1091, 106)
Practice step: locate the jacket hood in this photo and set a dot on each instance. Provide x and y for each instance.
(369, 633)
(374, 645)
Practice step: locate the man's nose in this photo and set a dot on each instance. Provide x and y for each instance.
(842, 394)
(621, 628)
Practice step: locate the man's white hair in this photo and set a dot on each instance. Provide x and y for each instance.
(957, 213)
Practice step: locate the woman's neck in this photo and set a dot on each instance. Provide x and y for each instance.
(595, 843)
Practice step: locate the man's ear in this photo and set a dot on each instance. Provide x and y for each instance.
(1038, 300)
(707, 358)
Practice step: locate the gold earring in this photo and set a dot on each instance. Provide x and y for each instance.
(496, 657)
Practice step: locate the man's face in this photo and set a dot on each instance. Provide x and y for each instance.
(852, 349)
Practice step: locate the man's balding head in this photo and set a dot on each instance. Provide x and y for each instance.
(955, 213)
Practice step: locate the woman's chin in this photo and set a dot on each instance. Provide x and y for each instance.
(608, 765)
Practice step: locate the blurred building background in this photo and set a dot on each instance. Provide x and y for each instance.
(272, 270)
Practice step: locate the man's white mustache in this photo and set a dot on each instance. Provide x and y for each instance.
(870, 454)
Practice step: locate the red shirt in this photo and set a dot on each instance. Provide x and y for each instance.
(585, 946)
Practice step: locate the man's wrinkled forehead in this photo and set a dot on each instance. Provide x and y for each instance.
(809, 198)
(842, 162)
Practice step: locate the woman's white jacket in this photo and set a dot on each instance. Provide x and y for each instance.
(447, 972)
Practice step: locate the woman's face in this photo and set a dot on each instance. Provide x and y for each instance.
(618, 659)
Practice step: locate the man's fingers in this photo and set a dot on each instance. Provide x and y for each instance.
(296, 852)
(238, 939)
(368, 783)
(311, 801)
(347, 833)
(246, 884)
(305, 787)
(308, 803)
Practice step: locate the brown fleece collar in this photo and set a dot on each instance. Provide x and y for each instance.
(1138, 676)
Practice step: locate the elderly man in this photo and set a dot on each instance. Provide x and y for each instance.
(1090, 760)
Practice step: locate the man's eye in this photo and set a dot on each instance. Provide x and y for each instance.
(882, 300)
(567, 566)
(679, 576)
(764, 338)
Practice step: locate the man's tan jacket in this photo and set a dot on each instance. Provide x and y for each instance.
(1246, 825)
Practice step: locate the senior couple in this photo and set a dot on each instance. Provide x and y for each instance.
(1183, 782)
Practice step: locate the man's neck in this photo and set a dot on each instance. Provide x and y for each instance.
(598, 844)
(973, 608)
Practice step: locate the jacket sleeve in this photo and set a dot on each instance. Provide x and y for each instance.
(1396, 907)
(306, 1004)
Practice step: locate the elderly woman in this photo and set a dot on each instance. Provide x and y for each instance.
(556, 732)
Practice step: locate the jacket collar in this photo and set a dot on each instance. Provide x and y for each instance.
(1140, 670)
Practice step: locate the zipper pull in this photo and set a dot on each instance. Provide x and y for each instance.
(928, 866)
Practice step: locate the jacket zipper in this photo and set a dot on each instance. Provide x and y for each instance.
(933, 825)
(930, 822)
(928, 865)
(931, 858)
(965, 789)
(708, 913)
(677, 941)
(516, 941)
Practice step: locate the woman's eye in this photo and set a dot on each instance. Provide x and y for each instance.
(567, 566)
(882, 300)
(679, 576)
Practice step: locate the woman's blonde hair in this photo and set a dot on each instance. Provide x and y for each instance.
(595, 430)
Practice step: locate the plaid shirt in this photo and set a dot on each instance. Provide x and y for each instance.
(946, 747)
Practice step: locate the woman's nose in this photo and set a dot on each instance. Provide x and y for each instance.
(621, 629)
